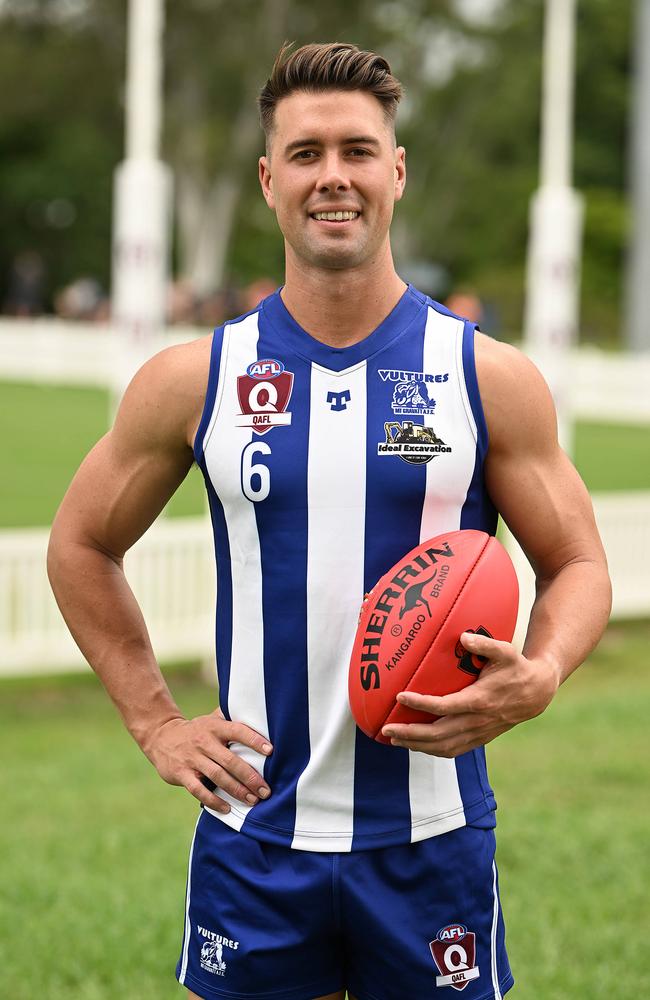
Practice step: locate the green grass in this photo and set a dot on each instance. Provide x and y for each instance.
(613, 457)
(46, 430)
(93, 845)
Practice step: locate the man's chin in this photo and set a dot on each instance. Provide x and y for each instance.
(334, 258)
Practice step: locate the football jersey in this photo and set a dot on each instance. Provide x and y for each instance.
(323, 467)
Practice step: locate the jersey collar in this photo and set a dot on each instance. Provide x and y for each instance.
(338, 359)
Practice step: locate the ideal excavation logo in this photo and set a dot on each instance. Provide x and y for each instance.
(454, 952)
(413, 443)
(264, 393)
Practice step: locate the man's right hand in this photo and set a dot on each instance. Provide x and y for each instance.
(184, 751)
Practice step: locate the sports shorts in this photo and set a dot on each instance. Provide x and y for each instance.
(414, 922)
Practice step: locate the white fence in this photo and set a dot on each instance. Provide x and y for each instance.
(171, 570)
(607, 387)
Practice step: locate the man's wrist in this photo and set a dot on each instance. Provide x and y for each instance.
(146, 731)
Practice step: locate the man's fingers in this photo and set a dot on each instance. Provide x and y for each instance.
(207, 798)
(434, 732)
(467, 700)
(233, 764)
(247, 785)
(238, 732)
(494, 650)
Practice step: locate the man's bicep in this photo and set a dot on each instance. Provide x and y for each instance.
(531, 481)
(115, 497)
(130, 474)
(545, 504)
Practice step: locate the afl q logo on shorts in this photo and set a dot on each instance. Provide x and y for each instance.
(264, 393)
(454, 952)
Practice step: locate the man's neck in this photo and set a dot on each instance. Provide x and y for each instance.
(340, 308)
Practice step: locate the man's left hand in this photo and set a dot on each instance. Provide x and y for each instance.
(510, 690)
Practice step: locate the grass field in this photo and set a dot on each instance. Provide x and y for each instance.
(93, 845)
(46, 430)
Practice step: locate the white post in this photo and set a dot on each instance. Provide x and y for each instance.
(553, 276)
(638, 262)
(141, 211)
(553, 282)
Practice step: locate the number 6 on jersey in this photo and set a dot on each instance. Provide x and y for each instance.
(251, 470)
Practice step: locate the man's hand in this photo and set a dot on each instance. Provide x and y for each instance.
(185, 751)
(510, 689)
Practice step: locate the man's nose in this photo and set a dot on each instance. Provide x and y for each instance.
(333, 176)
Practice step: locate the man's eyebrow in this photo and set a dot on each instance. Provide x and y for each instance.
(366, 140)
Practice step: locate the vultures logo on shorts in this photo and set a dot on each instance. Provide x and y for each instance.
(454, 952)
(212, 959)
(413, 443)
(264, 393)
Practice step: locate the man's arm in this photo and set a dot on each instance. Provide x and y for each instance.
(545, 504)
(119, 490)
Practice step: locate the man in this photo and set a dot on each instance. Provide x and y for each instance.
(323, 860)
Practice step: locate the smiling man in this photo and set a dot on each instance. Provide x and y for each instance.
(322, 860)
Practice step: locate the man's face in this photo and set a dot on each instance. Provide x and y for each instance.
(332, 152)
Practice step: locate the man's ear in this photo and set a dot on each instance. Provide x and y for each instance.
(266, 182)
(400, 172)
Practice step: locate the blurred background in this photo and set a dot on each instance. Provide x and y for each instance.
(131, 218)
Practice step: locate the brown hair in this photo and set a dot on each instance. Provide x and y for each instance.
(331, 66)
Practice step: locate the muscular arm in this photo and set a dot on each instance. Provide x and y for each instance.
(119, 490)
(547, 507)
(544, 502)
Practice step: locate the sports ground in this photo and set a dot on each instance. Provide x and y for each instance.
(93, 845)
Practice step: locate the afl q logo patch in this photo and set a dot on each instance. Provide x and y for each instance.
(264, 393)
(454, 952)
(267, 368)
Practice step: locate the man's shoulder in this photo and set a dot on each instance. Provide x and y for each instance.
(184, 363)
(168, 392)
(516, 400)
(502, 367)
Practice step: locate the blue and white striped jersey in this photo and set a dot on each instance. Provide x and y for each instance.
(324, 466)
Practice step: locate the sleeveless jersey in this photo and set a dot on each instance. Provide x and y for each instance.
(323, 467)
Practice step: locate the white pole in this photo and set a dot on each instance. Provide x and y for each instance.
(638, 263)
(141, 212)
(144, 78)
(552, 281)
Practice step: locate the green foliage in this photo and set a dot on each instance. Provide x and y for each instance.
(470, 123)
(60, 138)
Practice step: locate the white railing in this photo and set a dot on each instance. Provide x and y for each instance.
(604, 386)
(171, 570)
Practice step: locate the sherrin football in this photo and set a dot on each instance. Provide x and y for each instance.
(408, 637)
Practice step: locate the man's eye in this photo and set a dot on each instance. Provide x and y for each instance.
(360, 152)
(304, 154)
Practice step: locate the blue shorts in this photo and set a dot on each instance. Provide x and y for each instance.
(396, 923)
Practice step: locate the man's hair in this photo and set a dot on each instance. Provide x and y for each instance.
(330, 66)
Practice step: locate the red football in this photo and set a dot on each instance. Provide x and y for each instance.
(411, 622)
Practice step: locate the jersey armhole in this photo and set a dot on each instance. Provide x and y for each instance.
(211, 393)
(473, 393)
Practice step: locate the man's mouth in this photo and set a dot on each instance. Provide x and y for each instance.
(344, 216)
